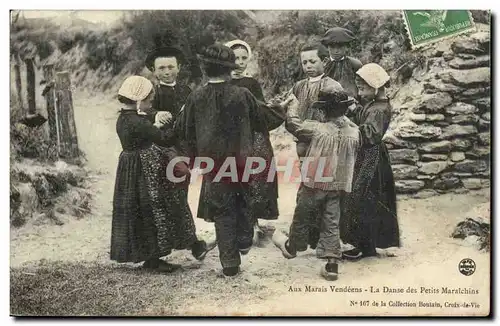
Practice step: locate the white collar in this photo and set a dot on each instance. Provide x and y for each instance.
(216, 80)
(168, 84)
(315, 79)
(338, 59)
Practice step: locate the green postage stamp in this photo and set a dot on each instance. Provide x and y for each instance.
(428, 26)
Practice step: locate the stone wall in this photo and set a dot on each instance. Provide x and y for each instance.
(443, 142)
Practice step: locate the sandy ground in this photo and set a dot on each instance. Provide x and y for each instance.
(429, 257)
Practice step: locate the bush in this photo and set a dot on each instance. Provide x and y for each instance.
(65, 42)
(278, 61)
(31, 143)
(26, 142)
(191, 30)
(40, 190)
(44, 48)
(106, 49)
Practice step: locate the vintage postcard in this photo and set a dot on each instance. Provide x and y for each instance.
(250, 163)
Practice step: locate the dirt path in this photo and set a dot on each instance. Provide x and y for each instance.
(429, 257)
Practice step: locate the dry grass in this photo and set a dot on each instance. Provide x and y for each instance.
(54, 288)
(60, 289)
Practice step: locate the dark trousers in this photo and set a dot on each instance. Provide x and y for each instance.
(313, 228)
(233, 228)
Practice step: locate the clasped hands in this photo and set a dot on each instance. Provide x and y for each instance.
(162, 118)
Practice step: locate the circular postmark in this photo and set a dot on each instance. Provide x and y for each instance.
(467, 266)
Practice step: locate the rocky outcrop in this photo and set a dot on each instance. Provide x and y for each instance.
(476, 227)
(443, 141)
(42, 193)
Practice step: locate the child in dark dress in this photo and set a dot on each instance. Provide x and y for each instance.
(265, 194)
(370, 212)
(240, 76)
(149, 220)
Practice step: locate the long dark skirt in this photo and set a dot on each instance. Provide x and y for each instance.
(369, 217)
(262, 196)
(151, 215)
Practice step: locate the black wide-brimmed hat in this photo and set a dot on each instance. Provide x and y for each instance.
(166, 51)
(219, 54)
(331, 99)
(337, 35)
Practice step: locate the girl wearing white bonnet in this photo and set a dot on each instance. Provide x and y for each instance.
(266, 193)
(370, 216)
(138, 90)
(371, 80)
(240, 76)
(146, 223)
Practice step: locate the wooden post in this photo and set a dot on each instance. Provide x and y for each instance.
(19, 86)
(48, 75)
(30, 82)
(66, 118)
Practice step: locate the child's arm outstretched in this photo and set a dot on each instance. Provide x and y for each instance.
(303, 130)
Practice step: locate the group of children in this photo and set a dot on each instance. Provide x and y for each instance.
(357, 202)
(229, 116)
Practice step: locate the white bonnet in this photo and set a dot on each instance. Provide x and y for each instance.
(136, 88)
(242, 43)
(374, 75)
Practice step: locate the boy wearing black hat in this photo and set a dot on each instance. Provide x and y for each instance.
(339, 65)
(331, 154)
(165, 63)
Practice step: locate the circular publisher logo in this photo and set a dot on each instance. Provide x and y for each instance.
(467, 266)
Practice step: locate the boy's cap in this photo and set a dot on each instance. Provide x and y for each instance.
(167, 51)
(220, 55)
(337, 35)
(136, 88)
(374, 75)
(244, 44)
